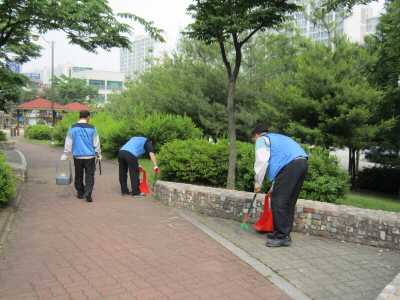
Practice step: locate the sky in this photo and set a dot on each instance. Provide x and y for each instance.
(169, 15)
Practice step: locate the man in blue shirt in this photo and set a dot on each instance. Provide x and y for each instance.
(128, 160)
(286, 164)
(84, 143)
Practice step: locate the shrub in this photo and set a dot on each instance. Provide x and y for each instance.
(162, 127)
(325, 180)
(39, 132)
(379, 178)
(113, 133)
(167, 127)
(61, 128)
(7, 181)
(201, 162)
(194, 161)
(3, 136)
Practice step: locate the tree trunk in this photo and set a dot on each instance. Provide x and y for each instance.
(352, 167)
(230, 111)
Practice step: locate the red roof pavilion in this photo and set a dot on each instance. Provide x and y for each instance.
(78, 106)
(40, 104)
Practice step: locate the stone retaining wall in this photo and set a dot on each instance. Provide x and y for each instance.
(7, 145)
(348, 223)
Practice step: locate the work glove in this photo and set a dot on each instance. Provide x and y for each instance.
(140, 169)
(99, 157)
(64, 157)
(156, 170)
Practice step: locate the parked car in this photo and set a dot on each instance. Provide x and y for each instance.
(379, 154)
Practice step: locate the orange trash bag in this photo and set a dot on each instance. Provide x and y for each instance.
(266, 222)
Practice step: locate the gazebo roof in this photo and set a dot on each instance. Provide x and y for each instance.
(40, 104)
(78, 106)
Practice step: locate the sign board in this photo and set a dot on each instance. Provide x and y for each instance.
(32, 75)
(14, 66)
(44, 86)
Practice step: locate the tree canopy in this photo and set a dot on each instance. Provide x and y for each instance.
(385, 73)
(234, 22)
(91, 24)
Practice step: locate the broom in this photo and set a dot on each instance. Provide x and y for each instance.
(244, 224)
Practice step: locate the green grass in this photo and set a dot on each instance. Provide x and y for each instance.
(148, 167)
(371, 200)
(42, 142)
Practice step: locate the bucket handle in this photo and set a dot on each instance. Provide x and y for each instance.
(70, 167)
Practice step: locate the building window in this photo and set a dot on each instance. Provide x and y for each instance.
(98, 84)
(114, 85)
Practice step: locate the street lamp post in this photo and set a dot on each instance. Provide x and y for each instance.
(36, 38)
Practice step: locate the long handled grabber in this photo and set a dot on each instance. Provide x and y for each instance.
(246, 218)
(154, 183)
(98, 161)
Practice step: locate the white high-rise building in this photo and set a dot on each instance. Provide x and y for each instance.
(144, 50)
(355, 26)
(45, 73)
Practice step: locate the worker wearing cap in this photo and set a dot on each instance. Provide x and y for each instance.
(286, 164)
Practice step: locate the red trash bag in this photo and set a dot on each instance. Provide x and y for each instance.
(266, 222)
(143, 185)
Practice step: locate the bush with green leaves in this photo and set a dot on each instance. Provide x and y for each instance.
(326, 181)
(115, 133)
(383, 178)
(3, 136)
(61, 128)
(162, 127)
(7, 181)
(39, 132)
(194, 161)
(201, 162)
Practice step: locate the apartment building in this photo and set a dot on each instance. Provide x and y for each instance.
(144, 51)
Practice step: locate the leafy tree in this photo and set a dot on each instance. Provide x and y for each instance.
(328, 101)
(385, 73)
(31, 92)
(234, 22)
(74, 90)
(190, 83)
(91, 24)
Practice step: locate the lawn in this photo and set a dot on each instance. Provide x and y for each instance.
(371, 200)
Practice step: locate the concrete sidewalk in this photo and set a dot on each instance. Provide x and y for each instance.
(60, 247)
(124, 248)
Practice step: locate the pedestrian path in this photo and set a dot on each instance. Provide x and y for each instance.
(124, 248)
(60, 247)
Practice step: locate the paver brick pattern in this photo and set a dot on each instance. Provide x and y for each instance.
(321, 268)
(60, 247)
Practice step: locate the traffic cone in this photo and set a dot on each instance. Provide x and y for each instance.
(143, 185)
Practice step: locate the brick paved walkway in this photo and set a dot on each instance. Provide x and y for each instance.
(60, 247)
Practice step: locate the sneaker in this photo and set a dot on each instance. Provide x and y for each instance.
(279, 242)
(139, 195)
(270, 235)
(88, 198)
(79, 196)
(128, 193)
